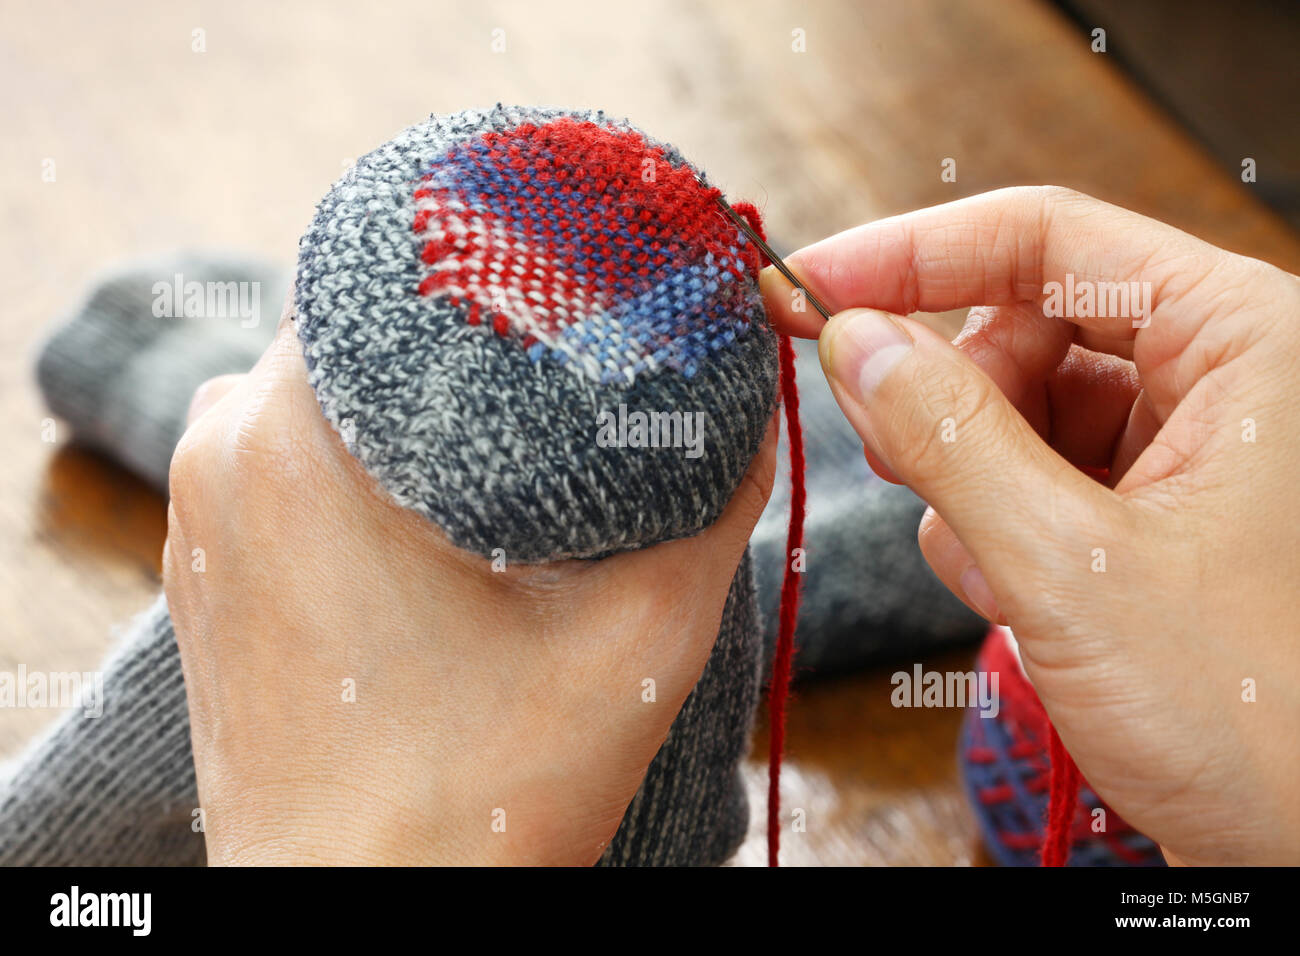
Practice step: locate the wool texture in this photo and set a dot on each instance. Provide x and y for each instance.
(1062, 801)
(788, 613)
(118, 789)
(485, 424)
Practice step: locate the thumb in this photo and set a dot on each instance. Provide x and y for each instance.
(945, 429)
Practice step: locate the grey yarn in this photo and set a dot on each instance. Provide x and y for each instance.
(117, 789)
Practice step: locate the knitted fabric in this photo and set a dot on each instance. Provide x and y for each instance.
(485, 422)
(1006, 770)
(118, 789)
(589, 244)
(461, 417)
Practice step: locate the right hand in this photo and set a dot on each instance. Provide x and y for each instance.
(1143, 666)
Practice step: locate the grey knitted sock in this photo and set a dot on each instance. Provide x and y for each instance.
(473, 298)
(123, 367)
(117, 789)
(491, 432)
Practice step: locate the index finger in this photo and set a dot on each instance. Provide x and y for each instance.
(997, 248)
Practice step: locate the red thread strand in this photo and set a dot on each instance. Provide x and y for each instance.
(1065, 779)
(1062, 802)
(779, 692)
(788, 617)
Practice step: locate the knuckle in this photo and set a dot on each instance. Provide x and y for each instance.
(1250, 275)
(253, 452)
(270, 449)
(1052, 195)
(272, 463)
(185, 473)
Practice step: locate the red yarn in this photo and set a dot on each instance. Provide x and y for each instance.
(543, 228)
(778, 693)
(1062, 802)
(1063, 791)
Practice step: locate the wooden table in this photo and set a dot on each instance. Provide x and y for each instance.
(157, 146)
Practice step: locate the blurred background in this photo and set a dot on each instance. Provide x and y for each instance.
(139, 127)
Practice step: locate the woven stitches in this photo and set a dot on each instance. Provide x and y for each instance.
(588, 244)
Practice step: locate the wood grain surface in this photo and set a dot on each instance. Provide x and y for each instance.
(156, 146)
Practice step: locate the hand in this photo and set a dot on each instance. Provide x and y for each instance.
(473, 690)
(1145, 603)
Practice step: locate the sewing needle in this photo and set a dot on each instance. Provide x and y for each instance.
(772, 257)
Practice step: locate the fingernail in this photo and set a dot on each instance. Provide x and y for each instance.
(865, 347)
(979, 593)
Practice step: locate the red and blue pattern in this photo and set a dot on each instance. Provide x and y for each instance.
(589, 245)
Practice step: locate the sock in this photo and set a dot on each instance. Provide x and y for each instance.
(117, 789)
(474, 397)
(123, 367)
(1005, 768)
